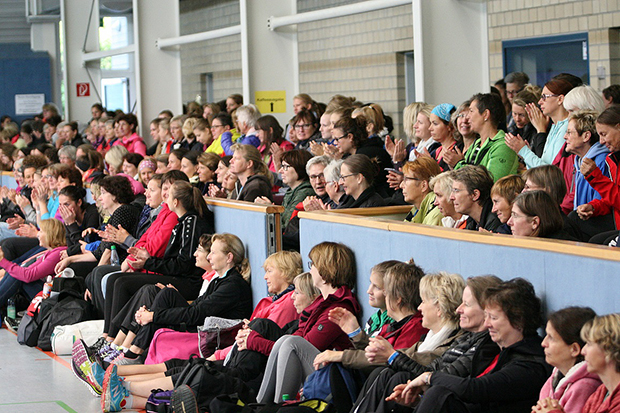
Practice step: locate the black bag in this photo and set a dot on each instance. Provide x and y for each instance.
(28, 331)
(207, 381)
(76, 284)
(67, 307)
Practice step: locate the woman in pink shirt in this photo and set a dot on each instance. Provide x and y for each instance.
(30, 275)
(128, 124)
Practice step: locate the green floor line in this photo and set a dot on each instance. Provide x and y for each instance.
(58, 402)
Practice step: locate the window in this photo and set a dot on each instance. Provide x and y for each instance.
(544, 57)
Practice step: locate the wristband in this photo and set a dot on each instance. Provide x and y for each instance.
(355, 332)
(392, 357)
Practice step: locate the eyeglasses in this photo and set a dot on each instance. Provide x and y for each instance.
(342, 137)
(316, 177)
(545, 96)
(310, 265)
(410, 178)
(216, 126)
(343, 177)
(514, 92)
(285, 166)
(303, 126)
(572, 133)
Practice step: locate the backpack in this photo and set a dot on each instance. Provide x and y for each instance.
(329, 383)
(29, 328)
(67, 307)
(207, 381)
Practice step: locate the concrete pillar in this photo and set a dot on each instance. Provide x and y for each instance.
(269, 58)
(44, 38)
(76, 24)
(158, 72)
(451, 50)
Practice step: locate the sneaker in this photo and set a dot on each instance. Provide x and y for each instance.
(114, 391)
(105, 350)
(11, 323)
(112, 355)
(125, 361)
(184, 400)
(86, 373)
(97, 345)
(80, 353)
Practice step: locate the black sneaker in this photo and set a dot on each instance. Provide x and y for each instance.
(11, 323)
(101, 341)
(184, 400)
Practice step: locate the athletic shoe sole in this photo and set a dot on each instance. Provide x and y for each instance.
(83, 377)
(80, 353)
(184, 400)
(106, 395)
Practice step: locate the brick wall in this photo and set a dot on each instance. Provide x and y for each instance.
(222, 57)
(518, 19)
(357, 55)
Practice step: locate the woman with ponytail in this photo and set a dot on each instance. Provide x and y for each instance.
(228, 295)
(352, 137)
(178, 264)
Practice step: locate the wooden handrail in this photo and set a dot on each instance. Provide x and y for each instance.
(364, 219)
(245, 206)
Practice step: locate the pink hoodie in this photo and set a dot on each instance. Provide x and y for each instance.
(574, 389)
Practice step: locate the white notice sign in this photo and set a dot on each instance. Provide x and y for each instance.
(29, 104)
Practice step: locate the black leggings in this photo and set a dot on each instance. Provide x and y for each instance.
(166, 298)
(125, 319)
(122, 286)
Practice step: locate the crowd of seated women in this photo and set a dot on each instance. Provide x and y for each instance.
(530, 162)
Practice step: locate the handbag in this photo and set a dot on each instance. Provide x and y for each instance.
(217, 333)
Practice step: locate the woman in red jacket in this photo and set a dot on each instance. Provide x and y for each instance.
(332, 266)
(607, 127)
(401, 287)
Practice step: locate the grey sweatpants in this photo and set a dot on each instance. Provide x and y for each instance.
(290, 362)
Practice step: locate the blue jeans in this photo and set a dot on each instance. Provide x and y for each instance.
(10, 286)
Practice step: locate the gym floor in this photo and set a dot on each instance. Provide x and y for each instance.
(35, 381)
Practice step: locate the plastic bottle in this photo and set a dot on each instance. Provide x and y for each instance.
(114, 256)
(10, 308)
(47, 287)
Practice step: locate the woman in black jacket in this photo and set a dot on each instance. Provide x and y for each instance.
(359, 135)
(178, 265)
(475, 344)
(512, 382)
(356, 176)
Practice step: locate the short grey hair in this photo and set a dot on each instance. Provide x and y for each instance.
(318, 160)
(332, 171)
(68, 151)
(443, 182)
(248, 114)
(520, 78)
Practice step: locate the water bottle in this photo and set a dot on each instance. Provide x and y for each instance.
(10, 308)
(114, 256)
(47, 287)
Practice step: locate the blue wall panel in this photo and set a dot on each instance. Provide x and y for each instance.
(251, 228)
(22, 71)
(560, 279)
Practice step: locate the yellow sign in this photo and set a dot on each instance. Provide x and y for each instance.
(271, 101)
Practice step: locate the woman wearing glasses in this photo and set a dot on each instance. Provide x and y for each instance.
(417, 191)
(306, 129)
(551, 106)
(356, 176)
(294, 175)
(351, 137)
